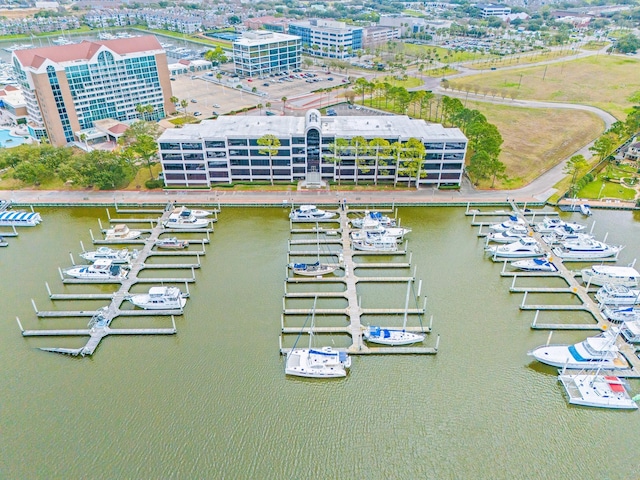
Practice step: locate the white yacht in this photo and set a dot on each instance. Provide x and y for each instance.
(612, 274)
(597, 390)
(586, 249)
(116, 256)
(508, 236)
(550, 224)
(193, 211)
(631, 330)
(507, 224)
(102, 269)
(617, 295)
(600, 351)
(171, 243)
(185, 220)
(121, 232)
(160, 298)
(310, 213)
(383, 220)
(621, 314)
(376, 244)
(523, 248)
(535, 265)
(370, 225)
(316, 269)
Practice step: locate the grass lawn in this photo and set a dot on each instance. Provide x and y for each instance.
(410, 82)
(604, 81)
(594, 190)
(518, 59)
(444, 54)
(594, 45)
(537, 139)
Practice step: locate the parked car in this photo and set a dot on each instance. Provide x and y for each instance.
(330, 79)
(215, 105)
(193, 100)
(266, 84)
(197, 114)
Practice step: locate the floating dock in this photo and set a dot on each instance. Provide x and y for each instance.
(99, 326)
(353, 311)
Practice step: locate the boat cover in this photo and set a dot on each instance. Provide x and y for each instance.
(614, 384)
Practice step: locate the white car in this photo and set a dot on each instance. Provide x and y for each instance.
(215, 105)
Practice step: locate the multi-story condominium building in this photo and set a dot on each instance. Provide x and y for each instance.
(67, 88)
(226, 150)
(260, 52)
(327, 38)
(493, 10)
(379, 35)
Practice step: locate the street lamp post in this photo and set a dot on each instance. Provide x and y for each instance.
(600, 192)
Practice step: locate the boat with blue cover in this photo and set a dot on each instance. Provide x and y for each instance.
(621, 314)
(316, 269)
(11, 218)
(507, 224)
(535, 265)
(378, 217)
(600, 351)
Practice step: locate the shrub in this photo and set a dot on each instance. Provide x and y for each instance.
(151, 184)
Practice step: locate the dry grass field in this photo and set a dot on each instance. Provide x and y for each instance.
(604, 81)
(536, 140)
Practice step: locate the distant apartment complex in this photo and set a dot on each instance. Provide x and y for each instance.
(261, 52)
(67, 88)
(226, 150)
(406, 25)
(326, 38)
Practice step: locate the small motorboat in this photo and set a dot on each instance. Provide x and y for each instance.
(535, 265)
(116, 256)
(3, 242)
(160, 298)
(585, 209)
(310, 213)
(121, 232)
(171, 243)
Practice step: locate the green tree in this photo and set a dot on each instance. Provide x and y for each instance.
(216, 56)
(139, 143)
(573, 167)
(270, 144)
(338, 147)
(413, 151)
(359, 145)
(381, 147)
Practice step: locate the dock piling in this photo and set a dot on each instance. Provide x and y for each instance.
(73, 262)
(61, 274)
(549, 337)
(437, 343)
(419, 288)
(33, 302)
(535, 319)
(48, 289)
(108, 214)
(524, 300)
(100, 224)
(20, 325)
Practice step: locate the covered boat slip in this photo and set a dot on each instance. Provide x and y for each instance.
(572, 287)
(352, 312)
(10, 218)
(99, 327)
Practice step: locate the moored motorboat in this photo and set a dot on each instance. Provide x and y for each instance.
(192, 211)
(316, 269)
(370, 225)
(3, 242)
(617, 295)
(310, 213)
(116, 256)
(585, 209)
(523, 248)
(508, 236)
(630, 330)
(160, 298)
(184, 220)
(535, 265)
(597, 390)
(171, 243)
(585, 248)
(376, 244)
(383, 220)
(101, 269)
(121, 232)
(621, 314)
(17, 218)
(549, 224)
(600, 351)
(612, 274)
(513, 221)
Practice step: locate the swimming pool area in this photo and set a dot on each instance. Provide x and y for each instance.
(7, 140)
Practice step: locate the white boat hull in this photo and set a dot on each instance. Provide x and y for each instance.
(313, 270)
(597, 391)
(143, 301)
(387, 336)
(317, 363)
(559, 356)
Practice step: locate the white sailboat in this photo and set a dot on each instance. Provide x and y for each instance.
(312, 362)
(316, 269)
(389, 336)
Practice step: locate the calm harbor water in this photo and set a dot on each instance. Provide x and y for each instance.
(213, 401)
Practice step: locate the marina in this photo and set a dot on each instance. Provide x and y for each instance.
(119, 267)
(206, 388)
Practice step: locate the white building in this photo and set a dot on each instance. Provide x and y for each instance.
(261, 52)
(226, 150)
(407, 25)
(328, 38)
(493, 10)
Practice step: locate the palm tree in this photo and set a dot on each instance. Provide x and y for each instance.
(339, 146)
(284, 103)
(359, 145)
(270, 144)
(184, 104)
(174, 100)
(380, 146)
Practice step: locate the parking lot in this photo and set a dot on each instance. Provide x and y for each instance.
(223, 96)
